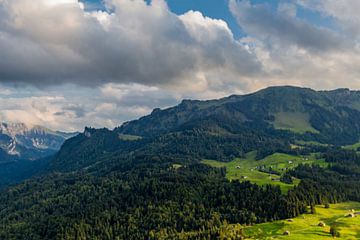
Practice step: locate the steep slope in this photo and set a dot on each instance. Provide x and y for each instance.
(89, 147)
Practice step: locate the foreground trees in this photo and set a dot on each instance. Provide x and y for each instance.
(137, 204)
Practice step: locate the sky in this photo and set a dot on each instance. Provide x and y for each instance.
(67, 64)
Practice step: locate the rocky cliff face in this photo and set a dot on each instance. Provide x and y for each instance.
(19, 141)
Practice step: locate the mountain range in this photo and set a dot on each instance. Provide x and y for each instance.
(26, 150)
(146, 179)
(320, 114)
(268, 120)
(19, 141)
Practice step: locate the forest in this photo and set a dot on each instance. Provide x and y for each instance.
(142, 192)
(146, 179)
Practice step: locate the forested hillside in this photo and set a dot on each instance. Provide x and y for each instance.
(324, 116)
(146, 180)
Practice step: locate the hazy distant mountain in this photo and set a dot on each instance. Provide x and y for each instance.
(19, 141)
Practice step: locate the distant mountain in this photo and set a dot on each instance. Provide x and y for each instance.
(326, 116)
(19, 141)
(26, 150)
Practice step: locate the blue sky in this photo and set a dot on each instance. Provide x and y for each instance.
(219, 9)
(212, 8)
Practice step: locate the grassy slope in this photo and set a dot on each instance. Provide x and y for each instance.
(305, 226)
(309, 143)
(293, 121)
(127, 137)
(249, 166)
(354, 146)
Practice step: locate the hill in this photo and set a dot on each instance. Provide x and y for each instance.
(325, 116)
(270, 120)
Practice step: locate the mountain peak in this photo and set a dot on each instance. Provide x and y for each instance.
(13, 129)
(284, 89)
(24, 141)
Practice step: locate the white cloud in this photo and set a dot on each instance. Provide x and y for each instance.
(344, 13)
(59, 43)
(100, 68)
(286, 8)
(59, 2)
(293, 51)
(276, 27)
(71, 107)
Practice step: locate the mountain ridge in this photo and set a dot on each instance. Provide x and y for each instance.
(326, 111)
(269, 120)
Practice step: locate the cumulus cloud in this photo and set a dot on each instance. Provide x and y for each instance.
(66, 65)
(262, 22)
(71, 107)
(49, 42)
(345, 13)
(294, 51)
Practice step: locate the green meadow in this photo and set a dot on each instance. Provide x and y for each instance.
(127, 137)
(309, 143)
(294, 121)
(249, 169)
(354, 146)
(305, 227)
